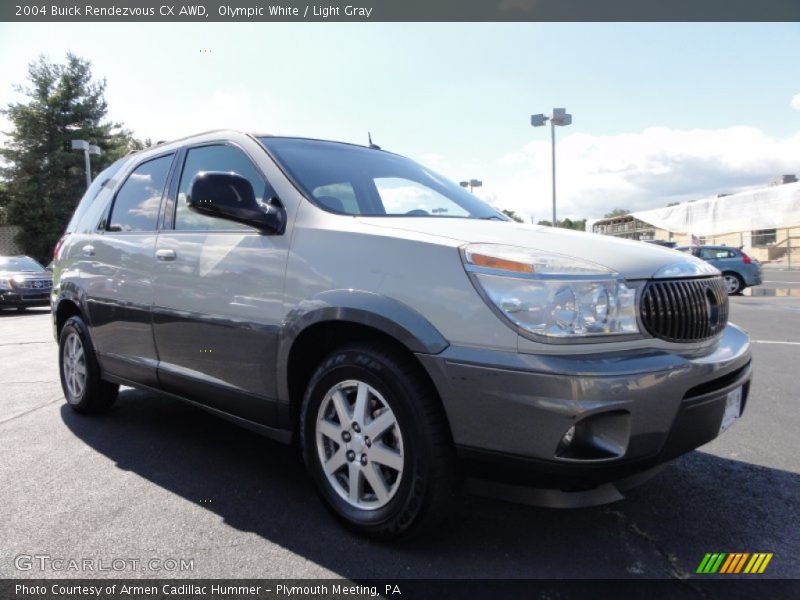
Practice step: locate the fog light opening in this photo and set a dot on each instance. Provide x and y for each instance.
(568, 437)
(601, 436)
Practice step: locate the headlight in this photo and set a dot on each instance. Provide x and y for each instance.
(550, 295)
(5, 284)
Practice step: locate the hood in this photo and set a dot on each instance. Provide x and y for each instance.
(24, 274)
(632, 260)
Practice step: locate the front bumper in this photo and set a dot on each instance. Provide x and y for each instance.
(13, 298)
(508, 412)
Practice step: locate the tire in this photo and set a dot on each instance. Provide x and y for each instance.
(733, 282)
(85, 392)
(415, 496)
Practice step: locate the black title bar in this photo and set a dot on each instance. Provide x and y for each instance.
(732, 588)
(400, 10)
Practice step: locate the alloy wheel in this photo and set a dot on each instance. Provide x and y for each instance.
(74, 367)
(732, 283)
(360, 445)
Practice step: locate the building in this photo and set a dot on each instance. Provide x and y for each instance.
(765, 222)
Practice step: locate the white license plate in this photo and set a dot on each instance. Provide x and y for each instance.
(733, 408)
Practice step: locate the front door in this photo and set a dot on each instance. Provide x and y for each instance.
(218, 297)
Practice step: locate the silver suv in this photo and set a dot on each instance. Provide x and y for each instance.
(403, 332)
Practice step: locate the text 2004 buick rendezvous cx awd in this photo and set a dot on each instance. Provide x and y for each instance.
(400, 329)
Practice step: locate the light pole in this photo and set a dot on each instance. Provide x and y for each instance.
(562, 119)
(472, 183)
(87, 149)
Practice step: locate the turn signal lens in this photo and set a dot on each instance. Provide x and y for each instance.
(492, 262)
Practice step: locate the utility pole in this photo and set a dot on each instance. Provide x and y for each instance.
(558, 118)
(87, 149)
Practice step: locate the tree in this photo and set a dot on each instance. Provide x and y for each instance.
(44, 178)
(577, 225)
(567, 224)
(512, 215)
(3, 201)
(617, 212)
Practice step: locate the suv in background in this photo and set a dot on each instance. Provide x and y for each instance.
(401, 330)
(738, 269)
(23, 283)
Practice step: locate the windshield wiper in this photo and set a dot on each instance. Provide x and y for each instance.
(492, 217)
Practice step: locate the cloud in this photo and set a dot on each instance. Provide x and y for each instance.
(644, 170)
(218, 109)
(795, 103)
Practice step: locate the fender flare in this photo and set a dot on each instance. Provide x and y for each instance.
(385, 314)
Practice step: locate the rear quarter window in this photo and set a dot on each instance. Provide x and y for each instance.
(94, 201)
(138, 202)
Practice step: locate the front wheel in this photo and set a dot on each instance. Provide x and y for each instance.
(83, 388)
(376, 442)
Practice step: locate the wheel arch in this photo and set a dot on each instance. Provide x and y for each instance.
(332, 319)
(66, 308)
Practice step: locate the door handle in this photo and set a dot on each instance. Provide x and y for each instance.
(165, 254)
(88, 250)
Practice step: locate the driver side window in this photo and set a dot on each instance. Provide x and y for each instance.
(214, 158)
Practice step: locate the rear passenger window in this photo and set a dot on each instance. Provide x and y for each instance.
(222, 158)
(716, 253)
(139, 199)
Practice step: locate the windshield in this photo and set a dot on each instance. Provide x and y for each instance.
(355, 180)
(19, 263)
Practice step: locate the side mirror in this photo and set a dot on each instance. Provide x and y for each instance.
(230, 196)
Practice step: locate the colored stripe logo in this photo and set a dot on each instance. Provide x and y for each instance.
(735, 562)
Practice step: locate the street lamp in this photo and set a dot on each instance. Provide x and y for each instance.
(472, 183)
(562, 119)
(87, 149)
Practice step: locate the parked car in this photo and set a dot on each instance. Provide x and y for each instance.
(23, 283)
(665, 243)
(401, 330)
(738, 269)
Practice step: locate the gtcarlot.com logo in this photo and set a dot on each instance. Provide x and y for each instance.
(46, 562)
(734, 562)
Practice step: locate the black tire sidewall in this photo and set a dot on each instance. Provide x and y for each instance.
(77, 326)
(739, 280)
(404, 507)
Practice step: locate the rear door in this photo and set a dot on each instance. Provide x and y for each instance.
(218, 295)
(116, 269)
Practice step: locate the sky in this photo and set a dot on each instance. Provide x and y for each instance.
(662, 113)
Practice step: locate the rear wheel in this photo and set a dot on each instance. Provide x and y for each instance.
(83, 388)
(733, 283)
(376, 442)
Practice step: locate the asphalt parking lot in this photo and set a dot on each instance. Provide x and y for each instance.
(155, 478)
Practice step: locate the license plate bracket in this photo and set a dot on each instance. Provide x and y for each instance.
(733, 408)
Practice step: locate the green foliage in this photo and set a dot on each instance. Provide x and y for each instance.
(512, 215)
(44, 177)
(567, 224)
(617, 212)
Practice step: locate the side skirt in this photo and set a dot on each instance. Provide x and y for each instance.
(280, 435)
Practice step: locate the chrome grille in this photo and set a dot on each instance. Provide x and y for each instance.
(685, 310)
(33, 284)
